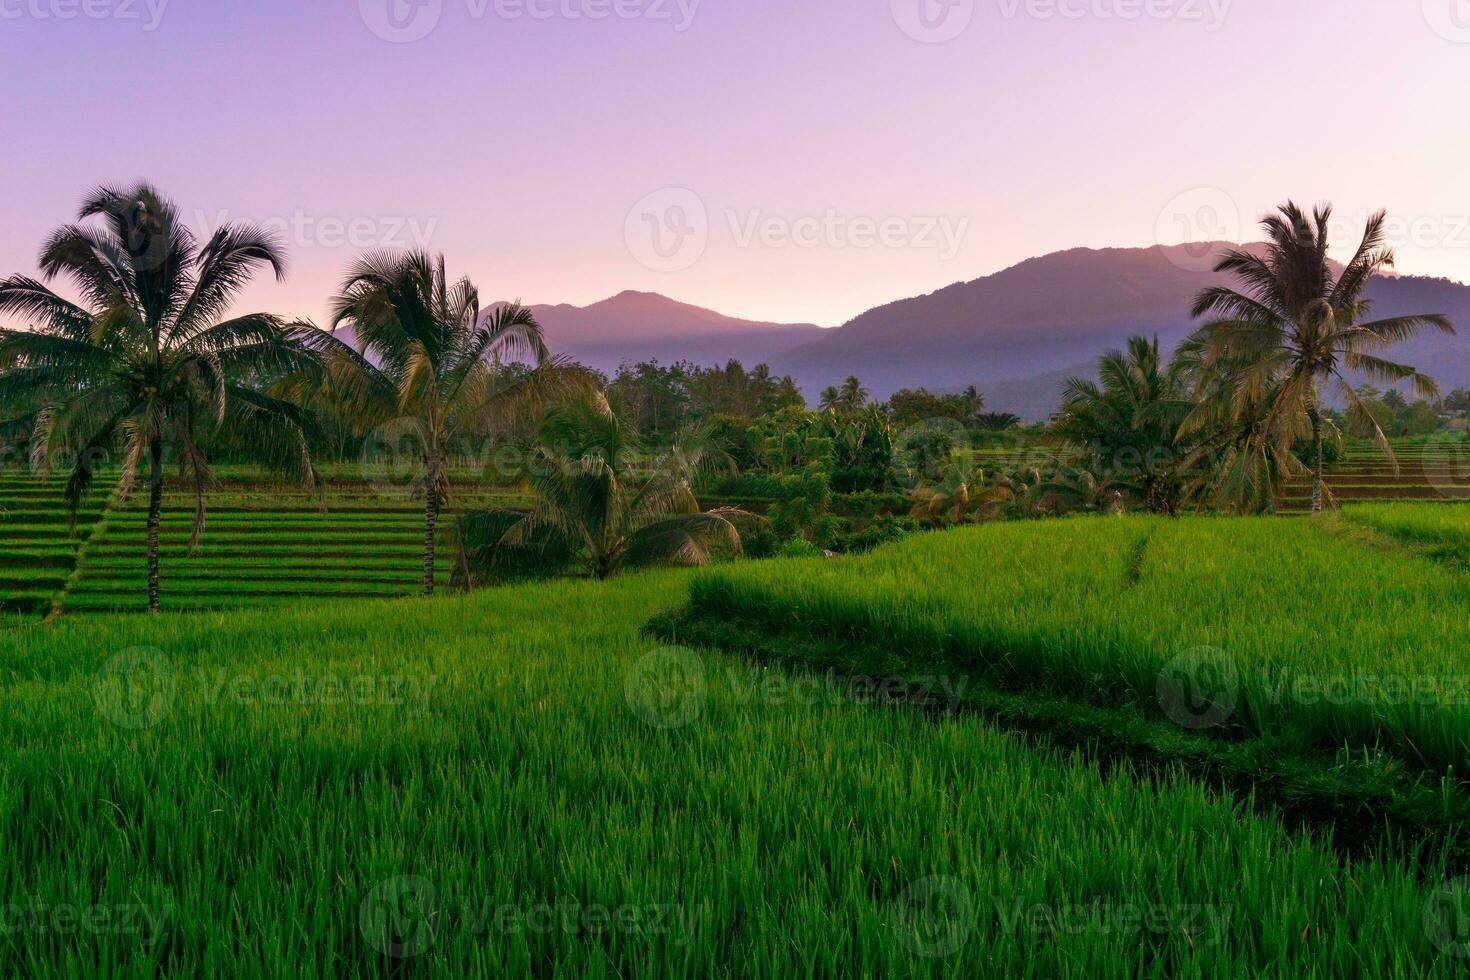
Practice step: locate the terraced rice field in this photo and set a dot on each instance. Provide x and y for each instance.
(1435, 468)
(38, 545)
(264, 544)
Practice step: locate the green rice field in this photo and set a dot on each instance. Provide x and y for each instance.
(1105, 606)
(519, 783)
(297, 772)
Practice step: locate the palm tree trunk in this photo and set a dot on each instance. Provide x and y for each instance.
(155, 509)
(1317, 464)
(431, 526)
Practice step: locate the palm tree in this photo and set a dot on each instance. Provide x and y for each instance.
(430, 364)
(146, 361)
(1242, 470)
(830, 399)
(1126, 427)
(614, 510)
(958, 498)
(853, 396)
(1298, 324)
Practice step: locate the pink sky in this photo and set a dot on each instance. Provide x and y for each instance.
(827, 159)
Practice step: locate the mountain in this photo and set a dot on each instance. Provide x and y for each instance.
(634, 326)
(1018, 334)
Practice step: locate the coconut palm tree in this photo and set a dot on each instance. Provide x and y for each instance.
(147, 361)
(430, 366)
(1297, 324)
(615, 506)
(830, 399)
(853, 396)
(1125, 427)
(1240, 468)
(959, 497)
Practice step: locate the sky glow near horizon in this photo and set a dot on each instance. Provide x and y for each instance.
(787, 160)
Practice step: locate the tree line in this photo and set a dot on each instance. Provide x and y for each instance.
(149, 363)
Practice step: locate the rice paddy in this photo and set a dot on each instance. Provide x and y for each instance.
(518, 783)
(301, 778)
(1322, 641)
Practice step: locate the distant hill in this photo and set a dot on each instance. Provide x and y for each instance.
(1019, 333)
(634, 326)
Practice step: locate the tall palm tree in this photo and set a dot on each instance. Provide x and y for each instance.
(1296, 324)
(1125, 428)
(431, 364)
(612, 505)
(147, 361)
(1240, 467)
(853, 396)
(830, 399)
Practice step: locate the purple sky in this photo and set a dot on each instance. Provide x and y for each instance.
(822, 159)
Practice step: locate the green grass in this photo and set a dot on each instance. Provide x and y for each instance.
(1271, 626)
(773, 834)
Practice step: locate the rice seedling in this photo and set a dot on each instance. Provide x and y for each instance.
(517, 783)
(1265, 625)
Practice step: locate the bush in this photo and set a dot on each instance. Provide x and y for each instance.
(480, 531)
